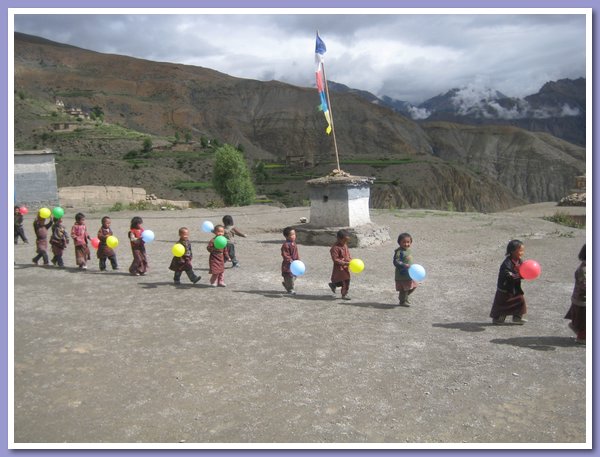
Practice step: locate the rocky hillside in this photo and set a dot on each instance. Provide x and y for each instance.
(276, 125)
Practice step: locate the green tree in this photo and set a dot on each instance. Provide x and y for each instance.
(147, 145)
(97, 113)
(188, 137)
(204, 141)
(231, 177)
(177, 137)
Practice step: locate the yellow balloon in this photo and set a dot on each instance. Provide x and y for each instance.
(112, 242)
(356, 266)
(45, 213)
(178, 249)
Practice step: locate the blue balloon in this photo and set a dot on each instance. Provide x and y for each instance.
(417, 272)
(148, 236)
(297, 268)
(207, 226)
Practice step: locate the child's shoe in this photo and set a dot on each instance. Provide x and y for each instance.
(285, 287)
(196, 279)
(34, 261)
(332, 287)
(580, 341)
(292, 292)
(498, 320)
(346, 297)
(176, 282)
(519, 320)
(222, 285)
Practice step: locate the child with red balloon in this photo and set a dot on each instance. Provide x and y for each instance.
(19, 230)
(182, 263)
(289, 253)
(104, 250)
(576, 312)
(218, 255)
(81, 237)
(139, 265)
(509, 298)
(405, 285)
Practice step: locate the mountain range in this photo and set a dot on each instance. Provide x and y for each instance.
(438, 162)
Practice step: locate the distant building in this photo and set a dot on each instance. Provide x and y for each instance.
(35, 178)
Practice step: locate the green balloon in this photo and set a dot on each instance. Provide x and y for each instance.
(58, 212)
(220, 242)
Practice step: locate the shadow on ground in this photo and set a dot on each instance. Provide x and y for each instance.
(538, 343)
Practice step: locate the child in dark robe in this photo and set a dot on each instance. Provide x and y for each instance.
(59, 241)
(216, 260)
(139, 265)
(104, 251)
(576, 312)
(184, 263)
(40, 228)
(81, 237)
(289, 252)
(230, 233)
(405, 285)
(340, 254)
(509, 298)
(19, 229)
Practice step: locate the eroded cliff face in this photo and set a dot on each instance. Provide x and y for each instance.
(483, 168)
(535, 166)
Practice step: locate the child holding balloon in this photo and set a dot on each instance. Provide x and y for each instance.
(104, 250)
(183, 263)
(40, 228)
(340, 254)
(509, 298)
(19, 230)
(59, 241)
(405, 285)
(218, 254)
(80, 237)
(139, 265)
(289, 252)
(576, 312)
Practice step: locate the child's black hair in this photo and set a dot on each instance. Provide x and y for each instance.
(135, 221)
(216, 227)
(287, 231)
(582, 254)
(512, 246)
(181, 229)
(79, 217)
(227, 220)
(104, 219)
(404, 235)
(341, 234)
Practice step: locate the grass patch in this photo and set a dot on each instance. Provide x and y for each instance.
(566, 219)
(378, 163)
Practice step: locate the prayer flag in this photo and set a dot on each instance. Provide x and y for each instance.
(320, 49)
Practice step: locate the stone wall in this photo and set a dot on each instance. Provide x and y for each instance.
(35, 178)
(101, 196)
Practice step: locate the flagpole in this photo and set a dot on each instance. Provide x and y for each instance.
(337, 157)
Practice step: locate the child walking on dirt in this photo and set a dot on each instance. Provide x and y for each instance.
(104, 251)
(184, 263)
(509, 298)
(289, 252)
(40, 228)
(230, 233)
(576, 312)
(217, 258)
(340, 255)
(80, 237)
(405, 285)
(139, 265)
(19, 230)
(59, 241)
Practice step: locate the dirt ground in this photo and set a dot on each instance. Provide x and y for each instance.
(105, 357)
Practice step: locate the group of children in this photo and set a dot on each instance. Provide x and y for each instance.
(509, 299)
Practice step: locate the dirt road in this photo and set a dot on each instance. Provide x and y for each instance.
(106, 357)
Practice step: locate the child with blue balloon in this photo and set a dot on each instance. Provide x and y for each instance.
(405, 284)
(289, 252)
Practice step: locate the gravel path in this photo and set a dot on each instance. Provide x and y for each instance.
(107, 357)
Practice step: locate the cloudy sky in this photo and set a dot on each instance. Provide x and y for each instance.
(409, 57)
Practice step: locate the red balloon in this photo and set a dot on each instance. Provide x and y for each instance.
(530, 269)
(95, 243)
(23, 210)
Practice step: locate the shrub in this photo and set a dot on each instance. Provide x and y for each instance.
(231, 177)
